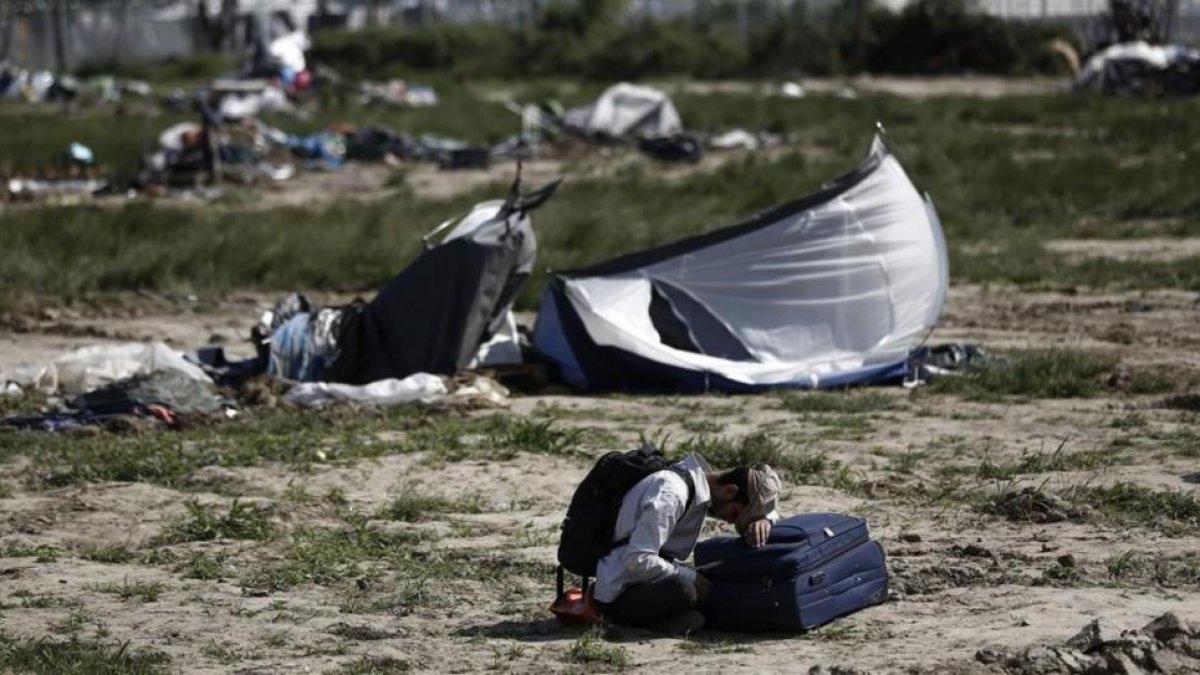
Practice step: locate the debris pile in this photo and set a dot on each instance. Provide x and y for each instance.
(1165, 645)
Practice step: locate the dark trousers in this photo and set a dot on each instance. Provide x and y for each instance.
(645, 605)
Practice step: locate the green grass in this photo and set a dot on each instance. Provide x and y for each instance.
(46, 656)
(590, 649)
(412, 506)
(325, 556)
(374, 665)
(1134, 566)
(146, 591)
(995, 221)
(204, 567)
(1057, 460)
(1053, 373)
(758, 448)
(286, 435)
(43, 553)
(113, 554)
(519, 434)
(244, 521)
(1174, 513)
(1125, 504)
(848, 402)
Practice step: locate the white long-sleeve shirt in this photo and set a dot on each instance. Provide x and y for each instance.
(654, 518)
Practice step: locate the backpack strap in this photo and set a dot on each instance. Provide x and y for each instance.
(691, 488)
(691, 485)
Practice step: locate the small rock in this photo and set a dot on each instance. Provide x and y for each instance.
(987, 656)
(1166, 627)
(910, 537)
(973, 551)
(1039, 660)
(1078, 662)
(1067, 560)
(1120, 664)
(1049, 548)
(1049, 516)
(1094, 635)
(217, 339)
(1191, 646)
(1170, 661)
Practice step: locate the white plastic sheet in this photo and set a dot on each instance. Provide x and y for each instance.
(419, 387)
(89, 368)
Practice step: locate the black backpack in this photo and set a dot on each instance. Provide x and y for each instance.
(587, 531)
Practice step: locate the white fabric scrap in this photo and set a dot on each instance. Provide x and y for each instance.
(417, 387)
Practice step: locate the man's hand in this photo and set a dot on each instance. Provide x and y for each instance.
(757, 532)
(702, 584)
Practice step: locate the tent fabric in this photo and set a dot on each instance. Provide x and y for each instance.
(627, 111)
(433, 316)
(832, 289)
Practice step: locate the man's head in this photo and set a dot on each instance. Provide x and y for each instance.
(743, 495)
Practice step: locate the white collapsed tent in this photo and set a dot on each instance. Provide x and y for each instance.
(833, 289)
(627, 110)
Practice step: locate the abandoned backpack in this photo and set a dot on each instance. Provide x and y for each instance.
(587, 531)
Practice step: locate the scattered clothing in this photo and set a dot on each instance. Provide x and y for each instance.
(1139, 68)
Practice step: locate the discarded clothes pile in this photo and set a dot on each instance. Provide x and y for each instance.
(42, 86)
(1139, 68)
(110, 384)
(397, 93)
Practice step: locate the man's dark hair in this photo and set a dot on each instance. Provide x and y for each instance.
(739, 477)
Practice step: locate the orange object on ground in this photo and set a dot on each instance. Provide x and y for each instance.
(576, 606)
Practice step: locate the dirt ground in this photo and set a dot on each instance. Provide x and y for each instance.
(961, 581)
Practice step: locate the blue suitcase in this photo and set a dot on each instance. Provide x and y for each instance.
(814, 568)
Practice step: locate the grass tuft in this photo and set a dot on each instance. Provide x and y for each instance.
(590, 649)
(1170, 512)
(46, 656)
(413, 506)
(1054, 373)
(757, 448)
(244, 521)
(108, 554)
(146, 591)
(538, 437)
(43, 553)
(374, 665)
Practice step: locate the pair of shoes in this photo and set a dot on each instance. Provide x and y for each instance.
(681, 624)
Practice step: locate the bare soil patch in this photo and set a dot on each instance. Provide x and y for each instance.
(964, 579)
(1155, 249)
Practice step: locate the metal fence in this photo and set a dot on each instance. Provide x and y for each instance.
(65, 34)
